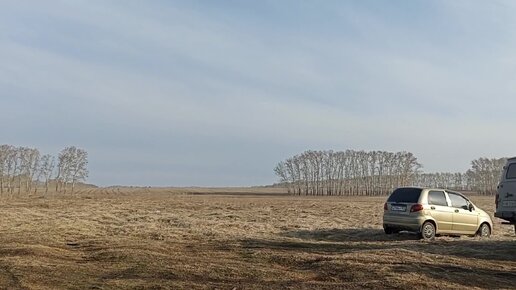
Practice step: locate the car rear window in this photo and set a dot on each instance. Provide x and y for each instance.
(408, 195)
(511, 172)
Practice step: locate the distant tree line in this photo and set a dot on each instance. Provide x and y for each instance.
(483, 177)
(373, 173)
(25, 169)
(347, 172)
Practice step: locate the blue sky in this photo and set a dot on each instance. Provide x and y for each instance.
(215, 93)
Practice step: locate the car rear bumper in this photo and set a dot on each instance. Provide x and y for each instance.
(409, 223)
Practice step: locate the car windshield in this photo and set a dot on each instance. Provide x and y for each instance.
(511, 172)
(407, 195)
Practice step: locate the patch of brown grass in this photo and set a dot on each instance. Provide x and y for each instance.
(142, 238)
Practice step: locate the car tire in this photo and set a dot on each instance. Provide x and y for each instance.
(484, 231)
(427, 231)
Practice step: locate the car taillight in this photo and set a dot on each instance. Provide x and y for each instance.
(416, 207)
(496, 200)
(385, 206)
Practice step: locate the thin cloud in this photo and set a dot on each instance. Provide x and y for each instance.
(198, 91)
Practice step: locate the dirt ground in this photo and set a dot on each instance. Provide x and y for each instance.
(162, 239)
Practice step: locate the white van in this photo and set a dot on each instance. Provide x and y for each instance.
(506, 194)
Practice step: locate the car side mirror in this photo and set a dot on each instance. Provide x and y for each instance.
(471, 207)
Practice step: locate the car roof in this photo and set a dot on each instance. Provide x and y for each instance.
(431, 188)
(421, 187)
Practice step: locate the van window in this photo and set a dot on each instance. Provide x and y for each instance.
(458, 201)
(511, 172)
(407, 195)
(437, 198)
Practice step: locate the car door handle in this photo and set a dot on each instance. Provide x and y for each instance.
(456, 210)
(432, 207)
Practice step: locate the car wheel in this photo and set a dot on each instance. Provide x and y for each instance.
(428, 231)
(484, 231)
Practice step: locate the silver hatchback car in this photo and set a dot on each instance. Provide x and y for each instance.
(431, 212)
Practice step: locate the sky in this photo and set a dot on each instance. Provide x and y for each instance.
(216, 93)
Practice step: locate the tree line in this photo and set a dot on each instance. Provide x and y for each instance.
(374, 173)
(24, 169)
(482, 177)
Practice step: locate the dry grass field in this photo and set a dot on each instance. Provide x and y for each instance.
(183, 239)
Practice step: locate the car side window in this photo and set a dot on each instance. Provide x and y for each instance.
(458, 201)
(437, 198)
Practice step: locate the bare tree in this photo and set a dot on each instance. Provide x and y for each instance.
(72, 167)
(484, 174)
(11, 168)
(63, 169)
(281, 171)
(4, 156)
(29, 164)
(46, 169)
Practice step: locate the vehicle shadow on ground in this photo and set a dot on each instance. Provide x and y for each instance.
(326, 249)
(329, 241)
(357, 239)
(467, 276)
(351, 235)
(322, 253)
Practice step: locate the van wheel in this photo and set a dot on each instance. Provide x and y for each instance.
(428, 231)
(484, 231)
